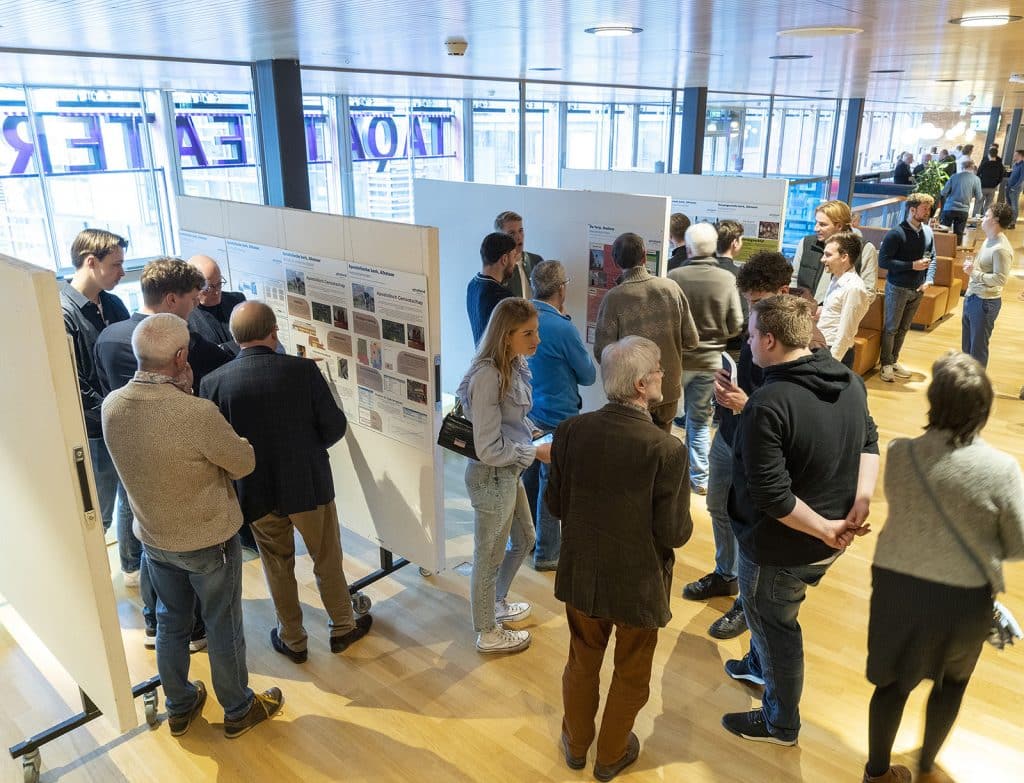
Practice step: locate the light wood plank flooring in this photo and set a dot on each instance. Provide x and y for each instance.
(414, 701)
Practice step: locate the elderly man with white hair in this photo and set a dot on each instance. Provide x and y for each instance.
(177, 457)
(718, 315)
(624, 510)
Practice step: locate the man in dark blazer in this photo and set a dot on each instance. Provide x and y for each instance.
(618, 483)
(212, 315)
(284, 407)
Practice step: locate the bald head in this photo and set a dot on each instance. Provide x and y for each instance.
(210, 270)
(254, 323)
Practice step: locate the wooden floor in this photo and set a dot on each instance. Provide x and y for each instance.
(414, 701)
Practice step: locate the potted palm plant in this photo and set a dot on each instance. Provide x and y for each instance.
(931, 180)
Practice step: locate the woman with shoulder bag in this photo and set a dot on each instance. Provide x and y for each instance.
(496, 397)
(956, 512)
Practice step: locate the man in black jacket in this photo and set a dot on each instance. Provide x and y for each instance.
(991, 172)
(212, 315)
(798, 499)
(617, 482)
(285, 409)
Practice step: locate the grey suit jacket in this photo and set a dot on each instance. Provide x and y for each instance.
(618, 483)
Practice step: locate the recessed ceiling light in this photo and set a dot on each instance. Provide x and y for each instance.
(790, 57)
(819, 32)
(947, 81)
(887, 70)
(823, 90)
(985, 20)
(612, 30)
(545, 68)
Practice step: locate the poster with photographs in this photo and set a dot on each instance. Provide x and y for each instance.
(762, 223)
(602, 273)
(258, 272)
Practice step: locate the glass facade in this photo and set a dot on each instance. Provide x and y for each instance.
(736, 134)
(884, 134)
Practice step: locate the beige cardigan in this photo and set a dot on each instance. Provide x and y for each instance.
(176, 456)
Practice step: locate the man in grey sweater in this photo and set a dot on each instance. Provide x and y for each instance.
(176, 456)
(650, 307)
(718, 315)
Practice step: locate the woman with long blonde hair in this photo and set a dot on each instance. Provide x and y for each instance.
(496, 397)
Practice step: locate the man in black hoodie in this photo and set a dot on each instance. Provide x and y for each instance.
(805, 461)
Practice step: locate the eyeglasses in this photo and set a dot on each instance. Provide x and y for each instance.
(212, 287)
(656, 371)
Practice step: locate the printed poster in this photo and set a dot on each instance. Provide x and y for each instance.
(762, 223)
(602, 273)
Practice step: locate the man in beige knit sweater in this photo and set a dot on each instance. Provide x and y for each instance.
(176, 456)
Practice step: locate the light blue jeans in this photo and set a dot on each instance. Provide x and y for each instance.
(129, 548)
(214, 574)
(977, 323)
(105, 474)
(719, 484)
(502, 536)
(549, 527)
(698, 389)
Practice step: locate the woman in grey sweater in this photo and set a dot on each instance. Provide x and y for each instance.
(496, 397)
(956, 512)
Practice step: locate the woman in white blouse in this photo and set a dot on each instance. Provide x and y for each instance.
(846, 299)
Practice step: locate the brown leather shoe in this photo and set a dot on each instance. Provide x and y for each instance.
(895, 774)
(605, 772)
(573, 762)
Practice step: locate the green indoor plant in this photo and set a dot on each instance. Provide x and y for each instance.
(931, 180)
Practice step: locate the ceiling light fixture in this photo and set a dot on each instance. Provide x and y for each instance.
(985, 20)
(824, 31)
(790, 57)
(887, 70)
(947, 81)
(613, 30)
(545, 68)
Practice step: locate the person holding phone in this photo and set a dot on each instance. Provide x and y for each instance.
(496, 397)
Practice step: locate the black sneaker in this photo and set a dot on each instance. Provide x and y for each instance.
(341, 643)
(296, 656)
(264, 706)
(731, 624)
(150, 640)
(740, 670)
(571, 761)
(752, 726)
(604, 773)
(179, 724)
(710, 586)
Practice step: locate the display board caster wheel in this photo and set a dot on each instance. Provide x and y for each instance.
(151, 702)
(361, 603)
(425, 572)
(30, 764)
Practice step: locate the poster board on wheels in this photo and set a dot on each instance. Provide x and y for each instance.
(359, 297)
(54, 570)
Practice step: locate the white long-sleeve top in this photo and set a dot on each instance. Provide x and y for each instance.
(846, 303)
(991, 268)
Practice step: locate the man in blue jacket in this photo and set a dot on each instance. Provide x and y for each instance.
(560, 366)
(1014, 183)
(956, 198)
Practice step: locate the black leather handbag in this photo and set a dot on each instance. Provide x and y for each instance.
(457, 433)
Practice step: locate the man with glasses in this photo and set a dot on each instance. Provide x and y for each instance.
(211, 317)
(560, 366)
(618, 485)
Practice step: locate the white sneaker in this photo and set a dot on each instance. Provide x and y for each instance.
(131, 579)
(901, 372)
(501, 640)
(887, 374)
(505, 611)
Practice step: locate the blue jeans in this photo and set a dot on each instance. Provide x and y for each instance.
(548, 527)
(1013, 199)
(501, 514)
(105, 474)
(719, 484)
(900, 308)
(976, 325)
(214, 575)
(698, 389)
(771, 602)
(129, 548)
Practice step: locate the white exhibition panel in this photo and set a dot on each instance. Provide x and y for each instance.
(758, 203)
(53, 564)
(559, 225)
(387, 491)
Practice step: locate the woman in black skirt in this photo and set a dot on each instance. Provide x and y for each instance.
(956, 512)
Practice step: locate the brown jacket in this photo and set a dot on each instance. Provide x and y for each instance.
(618, 483)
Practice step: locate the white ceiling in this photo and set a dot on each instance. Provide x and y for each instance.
(723, 44)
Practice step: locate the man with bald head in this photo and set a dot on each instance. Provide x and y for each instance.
(213, 313)
(285, 409)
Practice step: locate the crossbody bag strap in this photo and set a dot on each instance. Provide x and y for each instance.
(942, 513)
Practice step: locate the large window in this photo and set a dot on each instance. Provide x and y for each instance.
(735, 133)
(884, 134)
(801, 137)
(542, 127)
(495, 142)
(319, 117)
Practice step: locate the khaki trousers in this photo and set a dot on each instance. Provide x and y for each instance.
(275, 538)
(629, 691)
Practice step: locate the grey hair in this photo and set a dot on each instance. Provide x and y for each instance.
(157, 339)
(626, 362)
(546, 278)
(701, 240)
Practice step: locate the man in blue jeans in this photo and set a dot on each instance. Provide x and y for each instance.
(560, 366)
(908, 255)
(177, 456)
(798, 499)
(1014, 184)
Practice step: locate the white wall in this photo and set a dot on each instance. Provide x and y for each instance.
(53, 563)
(556, 223)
